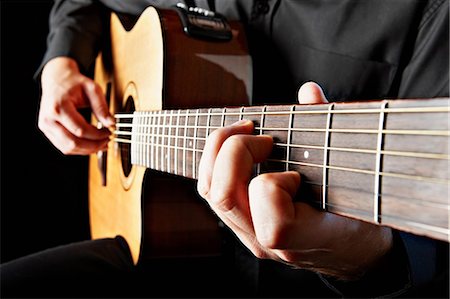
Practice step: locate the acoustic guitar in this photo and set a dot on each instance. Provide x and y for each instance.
(382, 161)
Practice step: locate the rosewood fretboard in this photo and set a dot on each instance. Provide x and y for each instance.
(386, 162)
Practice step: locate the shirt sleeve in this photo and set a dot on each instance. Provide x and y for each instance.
(75, 31)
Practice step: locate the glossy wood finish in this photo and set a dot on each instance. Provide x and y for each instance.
(155, 65)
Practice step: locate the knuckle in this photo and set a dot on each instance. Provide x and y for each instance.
(224, 203)
(273, 235)
(263, 184)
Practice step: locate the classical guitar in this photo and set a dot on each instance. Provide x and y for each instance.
(381, 161)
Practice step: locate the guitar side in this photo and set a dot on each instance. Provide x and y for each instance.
(151, 67)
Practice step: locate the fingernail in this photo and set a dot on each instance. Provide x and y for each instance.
(110, 120)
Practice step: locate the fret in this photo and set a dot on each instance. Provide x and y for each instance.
(163, 138)
(133, 140)
(274, 122)
(153, 141)
(223, 117)
(176, 143)
(202, 133)
(374, 161)
(325, 158)
(233, 115)
(241, 113)
(190, 151)
(309, 157)
(141, 139)
(208, 122)
(289, 136)
(146, 142)
(263, 117)
(194, 144)
(377, 187)
(135, 130)
(158, 141)
(184, 144)
(169, 142)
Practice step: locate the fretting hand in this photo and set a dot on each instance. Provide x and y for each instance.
(263, 215)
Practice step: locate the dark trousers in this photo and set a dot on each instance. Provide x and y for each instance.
(104, 268)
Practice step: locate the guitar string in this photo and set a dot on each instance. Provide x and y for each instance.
(349, 131)
(348, 169)
(315, 147)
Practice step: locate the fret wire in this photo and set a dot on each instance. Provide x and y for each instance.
(208, 122)
(152, 151)
(325, 158)
(169, 140)
(133, 144)
(241, 113)
(377, 186)
(342, 111)
(176, 141)
(139, 131)
(289, 136)
(356, 170)
(184, 144)
(223, 117)
(158, 140)
(146, 146)
(163, 154)
(151, 141)
(168, 136)
(264, 108)
(138, 143)
(141, 136)
(194, 146)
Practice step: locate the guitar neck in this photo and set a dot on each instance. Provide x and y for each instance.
(385, 162)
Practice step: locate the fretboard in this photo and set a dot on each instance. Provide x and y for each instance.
(386, 162)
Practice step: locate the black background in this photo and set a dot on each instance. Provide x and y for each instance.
(43, 192)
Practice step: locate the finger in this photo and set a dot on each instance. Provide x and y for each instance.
(70, 144)
(311, 93)
(231, 175)
(211, 149)
(76, 124)
(98, 103)
(272, 208)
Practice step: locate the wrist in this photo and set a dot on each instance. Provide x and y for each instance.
(59, 65)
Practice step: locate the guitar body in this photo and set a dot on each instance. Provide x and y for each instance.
(154, 65)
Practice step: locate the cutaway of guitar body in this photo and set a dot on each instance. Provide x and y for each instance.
(154, 66)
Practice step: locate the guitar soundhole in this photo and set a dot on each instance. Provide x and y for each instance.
(125, 147)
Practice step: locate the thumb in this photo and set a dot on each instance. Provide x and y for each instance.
(311, 93)
(97, 102)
